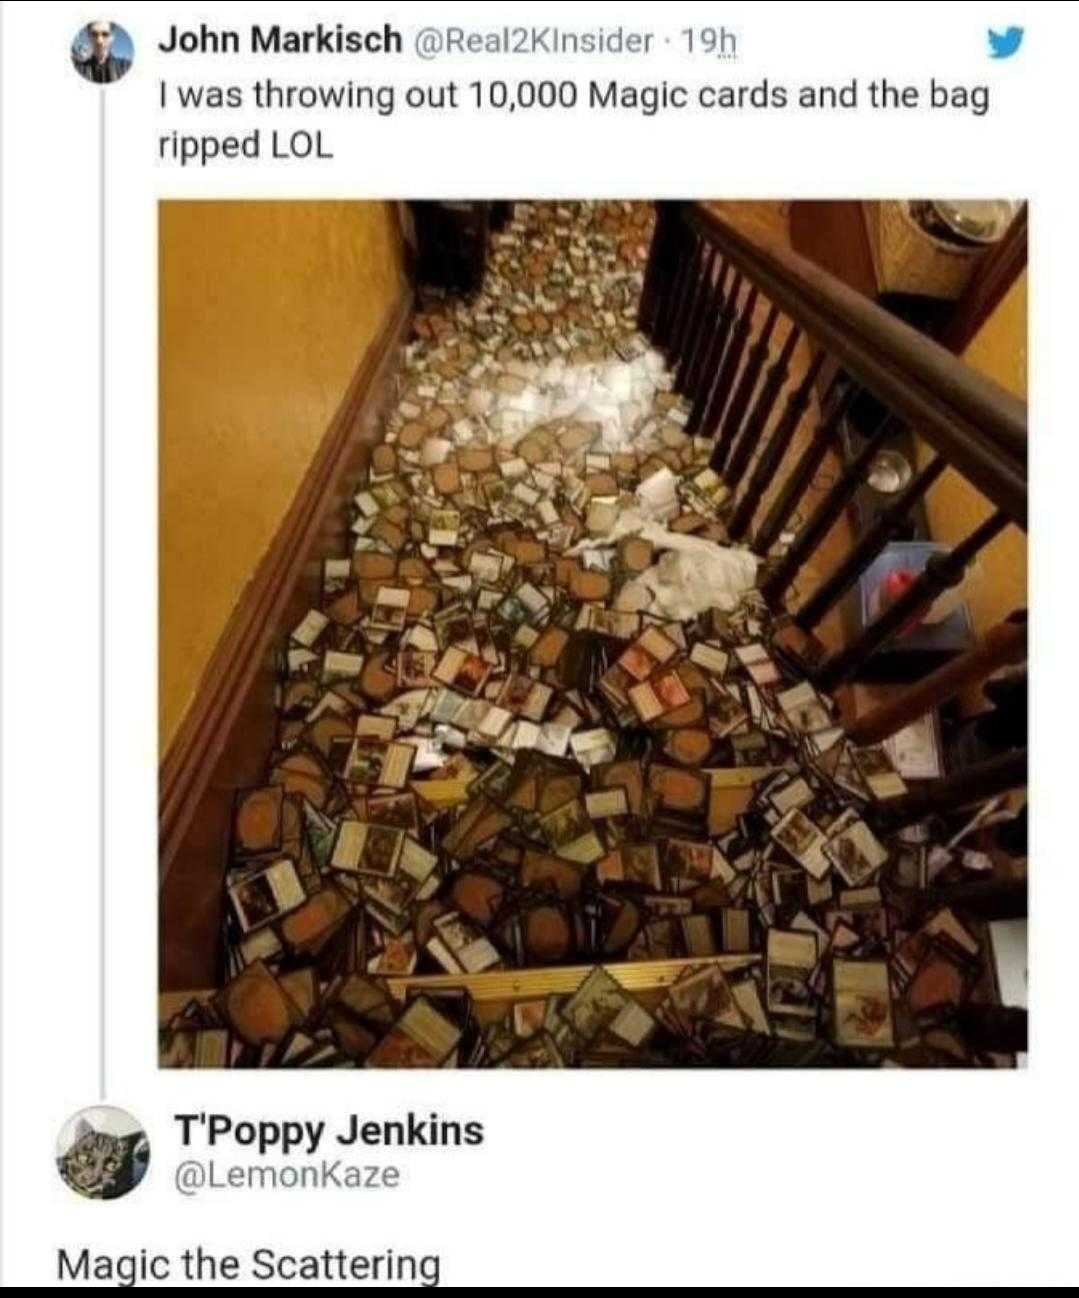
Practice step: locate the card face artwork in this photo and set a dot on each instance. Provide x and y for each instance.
(462, 671)
(658, 696)
(799, 836)
(570, 833)
(459, 947)
(862, 1004)
(804, 709)
(267, 895)
(875, 767)
(651, 649)
(391, 609)
(791, 961)
(706, 995)
(421, 1038)
(361, 848)
(596, 1006)
(854, 851)
(444, 527)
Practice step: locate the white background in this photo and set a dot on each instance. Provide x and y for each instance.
(629, 1179)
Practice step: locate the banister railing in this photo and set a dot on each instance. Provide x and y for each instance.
(729, 313)
(974, 423)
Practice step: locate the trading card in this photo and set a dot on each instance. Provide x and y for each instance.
(397, 810)
(415, 667)
(698, 935)
(378, 729)
(460, 947)
(258, 819)
(791, 960)
(362, 848)
(453, 625)
(593, 747)
(444, 527)
(391, 608)
(397, 765)
(570, 833)
(793, 794)
(862, 1004)
(875, 767)
(711, 657)
(337, 666)
(529, 1018)
(421, 1038)
(757, 662)
(650, 650)
(260, 898)
(610, 802)
(463, 671)
(397, 957)
(364, 763)
(804, 709)
(855, 851)
(307, 633)
(702, 995)
(804, 841)
(595, 1005)
(655, 698)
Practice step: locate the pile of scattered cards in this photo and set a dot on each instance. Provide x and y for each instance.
(487, 761)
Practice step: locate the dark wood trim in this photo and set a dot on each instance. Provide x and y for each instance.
(994, 275)
(832, 232)
(1003, 645)
(974, 423)
(971, 785)
(228, 731)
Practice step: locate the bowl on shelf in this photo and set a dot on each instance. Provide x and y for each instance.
(889, 472)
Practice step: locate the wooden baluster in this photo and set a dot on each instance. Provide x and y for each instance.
(677, 269)
(824, 516)
(758, 417)
(857, 560)
(747, 385)
(716, 351)
(941, 572)
(710, 328)
(662, 266)
(681, 298)
(1004, 645)
(973, 784)
(690, 342)
(690, 286)
(771, 457)
(732, 361)
(803, 473)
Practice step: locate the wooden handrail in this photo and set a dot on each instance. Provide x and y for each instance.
(1003, 645)
(976, 425)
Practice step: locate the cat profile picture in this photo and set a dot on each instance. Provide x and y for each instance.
(102, 1153)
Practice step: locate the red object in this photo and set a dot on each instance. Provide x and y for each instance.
(893, 587)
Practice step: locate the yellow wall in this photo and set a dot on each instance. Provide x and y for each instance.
(266, 309)
(999, 350)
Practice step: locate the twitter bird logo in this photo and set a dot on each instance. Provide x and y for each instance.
(1002, 45)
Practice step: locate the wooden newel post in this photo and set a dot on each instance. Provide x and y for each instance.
(1003, 645)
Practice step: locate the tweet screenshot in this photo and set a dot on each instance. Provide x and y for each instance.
(517, 518)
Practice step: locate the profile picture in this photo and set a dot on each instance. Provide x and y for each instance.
(102, 1153)
(102, 51)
